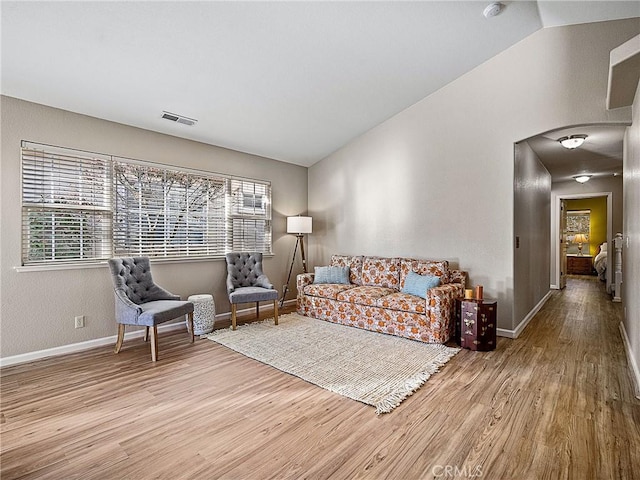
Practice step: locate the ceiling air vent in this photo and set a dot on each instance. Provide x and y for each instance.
(179, 118)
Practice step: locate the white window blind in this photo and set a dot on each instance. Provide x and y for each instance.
(66, 210)
(80, 207)
(249, 221)
(165, 213)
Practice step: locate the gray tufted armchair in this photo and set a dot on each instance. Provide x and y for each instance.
(139, 301)
(246, 283)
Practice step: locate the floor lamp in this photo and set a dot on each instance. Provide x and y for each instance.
(299, 226)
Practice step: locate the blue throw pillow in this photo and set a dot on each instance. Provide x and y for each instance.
(331, 275)
(416, 284)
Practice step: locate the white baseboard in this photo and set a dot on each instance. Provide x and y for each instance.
(503, 332)
(80, 346)
(633, 366)
(100, 342)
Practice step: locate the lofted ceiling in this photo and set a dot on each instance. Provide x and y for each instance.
(293, 81)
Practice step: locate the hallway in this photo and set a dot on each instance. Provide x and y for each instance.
(579, 334)
(589, 413)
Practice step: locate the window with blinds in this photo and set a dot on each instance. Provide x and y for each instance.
(66, 206)
(249, 221)
(86, 207)
(164, 213)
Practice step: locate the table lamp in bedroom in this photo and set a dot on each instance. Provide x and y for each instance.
(580, 239)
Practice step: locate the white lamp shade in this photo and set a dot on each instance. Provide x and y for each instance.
(298, 224)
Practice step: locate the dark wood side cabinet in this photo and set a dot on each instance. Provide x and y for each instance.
(476, 324)
(579, 265)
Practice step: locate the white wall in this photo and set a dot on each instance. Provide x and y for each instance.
(38, 308)
(532, 209)
(436, 180)
(631, 232)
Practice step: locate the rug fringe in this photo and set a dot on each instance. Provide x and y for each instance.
(396, 397)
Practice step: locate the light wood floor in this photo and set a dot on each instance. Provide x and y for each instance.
(556, 403)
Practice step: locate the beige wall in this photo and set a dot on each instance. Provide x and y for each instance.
(631, 231)
(38, 308)
(532, 209)
(436, 180)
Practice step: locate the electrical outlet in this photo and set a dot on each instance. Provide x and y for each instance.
(80, 321)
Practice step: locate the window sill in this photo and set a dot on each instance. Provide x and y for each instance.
(82, 266)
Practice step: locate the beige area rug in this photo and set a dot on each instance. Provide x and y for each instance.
(373, 368)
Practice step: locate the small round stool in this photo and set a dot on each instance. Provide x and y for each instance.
(204, 313)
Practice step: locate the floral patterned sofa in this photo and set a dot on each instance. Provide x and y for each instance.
(373, 299)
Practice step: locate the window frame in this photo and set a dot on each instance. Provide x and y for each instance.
(220, 243)
(68, 190)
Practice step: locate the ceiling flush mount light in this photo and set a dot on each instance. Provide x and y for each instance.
(572, 141)
(493, 9)
(582, 178)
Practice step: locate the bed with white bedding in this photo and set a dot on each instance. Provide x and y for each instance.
(600, 262)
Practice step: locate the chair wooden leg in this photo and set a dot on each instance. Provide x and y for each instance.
(275, 311)
(233, 316)
(146, 334)
(190, 320)
(154, 343)
(120, 338)
(257, 310)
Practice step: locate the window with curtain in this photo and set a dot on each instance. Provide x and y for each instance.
(83, 207)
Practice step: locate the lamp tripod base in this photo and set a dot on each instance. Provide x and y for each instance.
(300, 241)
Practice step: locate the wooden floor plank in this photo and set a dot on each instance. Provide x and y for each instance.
(556, 403)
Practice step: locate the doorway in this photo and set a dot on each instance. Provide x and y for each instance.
(559, 242)
(545, 171)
